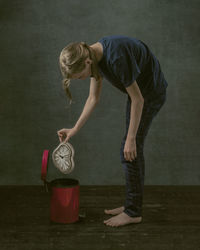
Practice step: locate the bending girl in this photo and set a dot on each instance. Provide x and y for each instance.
(129, 65)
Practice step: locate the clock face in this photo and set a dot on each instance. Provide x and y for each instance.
(63, 157)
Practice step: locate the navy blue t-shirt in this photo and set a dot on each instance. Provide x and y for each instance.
(127, 59)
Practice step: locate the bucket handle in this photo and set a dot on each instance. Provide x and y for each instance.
(44, 169)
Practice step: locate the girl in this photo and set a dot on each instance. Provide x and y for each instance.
(128, 64)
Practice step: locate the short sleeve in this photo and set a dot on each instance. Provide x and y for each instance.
(126, 70)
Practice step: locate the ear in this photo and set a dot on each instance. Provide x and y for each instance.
(88, 61)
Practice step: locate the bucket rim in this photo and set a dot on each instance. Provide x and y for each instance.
(64, 182)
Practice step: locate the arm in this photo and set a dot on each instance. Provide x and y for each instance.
(91, 102)
(137, 102)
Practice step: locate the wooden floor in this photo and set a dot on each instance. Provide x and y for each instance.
(171, 220)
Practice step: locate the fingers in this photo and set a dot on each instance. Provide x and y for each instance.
(60, 136)
(66, 139)
(63, 135)
(133, 155)
(130, 156)
(61, 132)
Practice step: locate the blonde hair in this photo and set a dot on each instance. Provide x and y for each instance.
(72, 60)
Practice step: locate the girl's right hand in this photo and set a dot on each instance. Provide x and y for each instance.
(65, 134)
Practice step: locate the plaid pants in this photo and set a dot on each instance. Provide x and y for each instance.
(135, 170)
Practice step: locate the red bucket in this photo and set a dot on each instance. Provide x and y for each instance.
(64, 205)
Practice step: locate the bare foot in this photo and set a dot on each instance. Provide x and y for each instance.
(114, 211)
(121, 220)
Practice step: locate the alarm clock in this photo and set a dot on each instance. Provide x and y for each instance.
(63, 157)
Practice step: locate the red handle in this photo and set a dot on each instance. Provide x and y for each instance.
(44, 165)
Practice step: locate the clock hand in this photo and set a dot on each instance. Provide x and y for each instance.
(61, 155)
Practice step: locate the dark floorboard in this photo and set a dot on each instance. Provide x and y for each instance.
(171, 220)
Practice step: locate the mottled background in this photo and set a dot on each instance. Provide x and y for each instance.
(33, 103)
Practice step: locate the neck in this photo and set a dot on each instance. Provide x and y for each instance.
(97, 51)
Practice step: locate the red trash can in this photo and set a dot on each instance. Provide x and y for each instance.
(64, 204)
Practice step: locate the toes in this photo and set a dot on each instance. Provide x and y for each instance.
(113, 224)
(108, 220)
(106, 211)
(109, 224)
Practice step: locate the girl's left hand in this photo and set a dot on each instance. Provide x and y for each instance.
(130, 152)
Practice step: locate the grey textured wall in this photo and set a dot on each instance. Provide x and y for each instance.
(33, 104)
